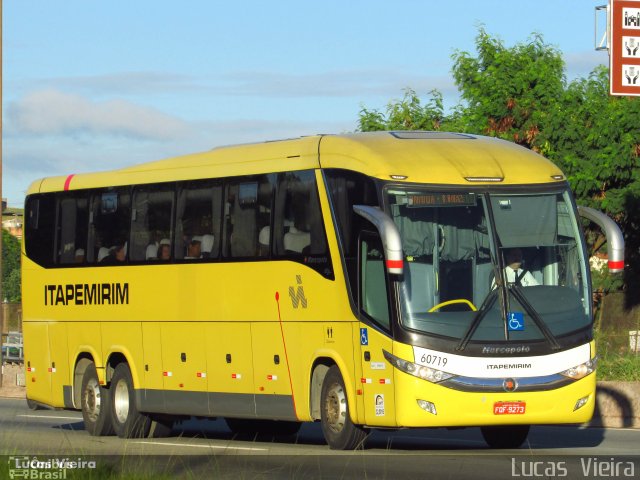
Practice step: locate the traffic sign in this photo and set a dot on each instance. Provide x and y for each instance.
(624, 53)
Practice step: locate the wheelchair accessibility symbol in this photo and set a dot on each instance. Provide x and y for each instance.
(364, 336)
(515, 321)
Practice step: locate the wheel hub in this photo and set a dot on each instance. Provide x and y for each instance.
(336, 408)
(121, 401)
(92, 400)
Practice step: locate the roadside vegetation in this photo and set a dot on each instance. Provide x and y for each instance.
(10, 268)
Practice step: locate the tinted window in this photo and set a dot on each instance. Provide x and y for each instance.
(198, 220)
(346, 189)
(248, 203)
(151, 225)
(73, 222)
(298, 225)
(40, 218)
(109, 229)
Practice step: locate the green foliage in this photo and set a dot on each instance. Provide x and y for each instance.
(10, 267)
(406, 114)
(509, 92)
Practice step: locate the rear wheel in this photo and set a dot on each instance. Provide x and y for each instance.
(507, 436)
(338, 429)
(127, 421)
(96, 404)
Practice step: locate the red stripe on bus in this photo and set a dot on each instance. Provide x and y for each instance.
(67, 182)
(615, 265)
(395, 263)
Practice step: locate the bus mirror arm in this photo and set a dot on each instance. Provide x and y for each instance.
(389, 233)
(615, 241)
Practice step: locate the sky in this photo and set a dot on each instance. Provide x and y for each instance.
(91, 86)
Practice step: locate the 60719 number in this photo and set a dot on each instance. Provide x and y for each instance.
(435, 360)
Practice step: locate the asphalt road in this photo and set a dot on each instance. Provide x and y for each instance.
(208, 446)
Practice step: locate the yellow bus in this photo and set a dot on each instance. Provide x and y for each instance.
(368, 280)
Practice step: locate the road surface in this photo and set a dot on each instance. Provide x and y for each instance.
(207, 446)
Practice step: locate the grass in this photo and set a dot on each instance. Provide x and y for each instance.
(623, 367)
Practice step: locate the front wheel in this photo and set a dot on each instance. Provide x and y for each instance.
(338, 429)
(96, 404)
(128, 422)
(505, 436)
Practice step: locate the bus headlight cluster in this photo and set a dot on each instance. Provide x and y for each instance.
(426, 373)
(582, 370)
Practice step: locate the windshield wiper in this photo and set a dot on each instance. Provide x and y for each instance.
(477, 320)
(537, 319)
(493, 295)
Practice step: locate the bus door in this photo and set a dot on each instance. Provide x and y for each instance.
(375, 333)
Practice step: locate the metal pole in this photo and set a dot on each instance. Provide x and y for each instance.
(1, 277)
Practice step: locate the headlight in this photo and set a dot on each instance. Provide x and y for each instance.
(426, 373)
(582, 370)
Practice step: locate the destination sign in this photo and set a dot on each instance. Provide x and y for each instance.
(442, 200)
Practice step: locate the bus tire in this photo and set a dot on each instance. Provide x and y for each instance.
(505, 436)
(127, 421)
(338, 429)
(95, 401)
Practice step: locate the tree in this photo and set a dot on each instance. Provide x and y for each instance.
(509, 92)
(10, 267)
(406, 114)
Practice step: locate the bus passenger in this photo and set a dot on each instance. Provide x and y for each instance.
(79, 255)
(116, 255)
(164, 249)
(194, 248)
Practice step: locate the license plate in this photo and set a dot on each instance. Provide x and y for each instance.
(509, 408)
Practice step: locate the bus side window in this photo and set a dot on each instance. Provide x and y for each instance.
(110, 223)
(373, 282)
(199, 214)
(248, 217)
(150, 221)
(346, 189)
(40, 220)
(73, 219)
(298, 221)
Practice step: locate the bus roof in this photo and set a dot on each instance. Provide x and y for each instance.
(438, 158)
(420, 157)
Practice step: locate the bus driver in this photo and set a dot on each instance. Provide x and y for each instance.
(514, 272)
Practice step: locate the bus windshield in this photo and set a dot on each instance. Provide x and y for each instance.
(490, 267)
